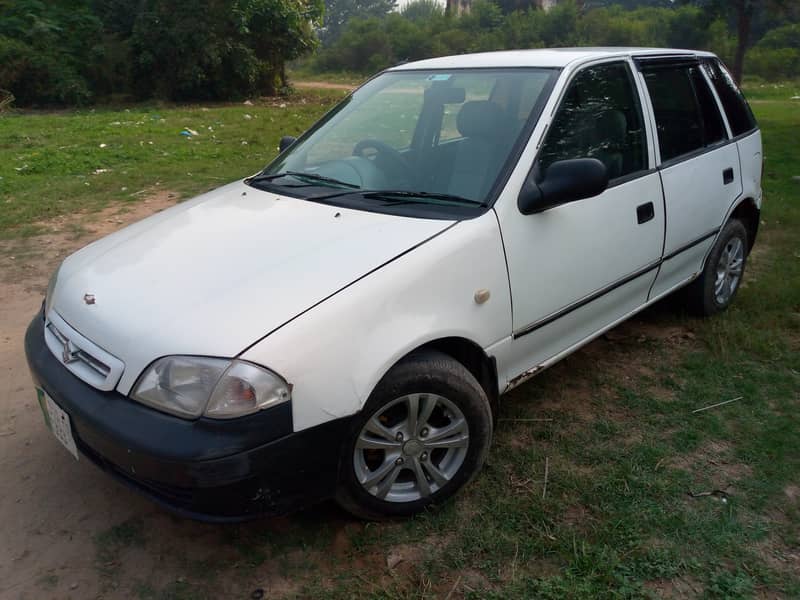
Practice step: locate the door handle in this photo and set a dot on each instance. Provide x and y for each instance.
(645, 212)
(727, 176)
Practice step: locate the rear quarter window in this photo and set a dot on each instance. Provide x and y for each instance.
(740, 117)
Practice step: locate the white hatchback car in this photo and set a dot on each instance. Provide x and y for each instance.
(342, 323)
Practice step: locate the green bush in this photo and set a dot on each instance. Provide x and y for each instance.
(773, 64)
(35, 76)
(787, 36)
(70, 51)
(46, 49)
(777, 55)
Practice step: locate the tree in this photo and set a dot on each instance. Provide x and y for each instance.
(219, 49)
(744, 13)
(422, 10)
(339, 12)
(278, 31)
(46, 50)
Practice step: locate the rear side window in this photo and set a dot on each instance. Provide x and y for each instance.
(740, 116)
(687, 117)
(600, 117)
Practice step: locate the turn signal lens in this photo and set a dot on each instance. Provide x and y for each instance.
(246, 388)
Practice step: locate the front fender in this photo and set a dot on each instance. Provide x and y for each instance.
(335, 353)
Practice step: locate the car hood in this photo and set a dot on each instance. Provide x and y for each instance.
(215, 274)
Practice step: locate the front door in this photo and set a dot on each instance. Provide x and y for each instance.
(578, 267)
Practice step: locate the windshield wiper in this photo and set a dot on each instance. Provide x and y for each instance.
(301, 175)
(401, 196)
(409, 196)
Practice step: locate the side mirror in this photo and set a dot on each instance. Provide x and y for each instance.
(285, 142)
(564, 181)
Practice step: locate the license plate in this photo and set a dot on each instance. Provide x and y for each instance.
(58, 422)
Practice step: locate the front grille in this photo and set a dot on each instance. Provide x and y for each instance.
(73, 353)
(80, 356)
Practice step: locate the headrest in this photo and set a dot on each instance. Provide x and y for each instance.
(483, 119)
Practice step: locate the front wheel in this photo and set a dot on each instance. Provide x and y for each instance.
(715, 288)
(423, 434)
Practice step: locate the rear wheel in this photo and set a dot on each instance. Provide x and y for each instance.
(716, 287)
(423, 434)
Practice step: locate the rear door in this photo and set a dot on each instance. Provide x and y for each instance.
(699, 167)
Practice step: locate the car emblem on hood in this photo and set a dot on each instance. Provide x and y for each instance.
(88, 298)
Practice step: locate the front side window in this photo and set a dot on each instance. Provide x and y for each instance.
(423, 136)
(600, 117)
(687, 117)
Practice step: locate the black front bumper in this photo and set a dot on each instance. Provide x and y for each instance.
(204, 469)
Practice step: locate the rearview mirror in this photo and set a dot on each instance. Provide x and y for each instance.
(441, 94)
(285, 142)
(564, 181)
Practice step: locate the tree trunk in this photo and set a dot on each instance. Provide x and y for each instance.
(744, 17)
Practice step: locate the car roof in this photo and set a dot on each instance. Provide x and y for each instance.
(551, 57)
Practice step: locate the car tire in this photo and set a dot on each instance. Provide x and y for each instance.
(716, 287)
(423, 434)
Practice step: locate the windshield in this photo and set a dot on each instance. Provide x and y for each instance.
(428, 137)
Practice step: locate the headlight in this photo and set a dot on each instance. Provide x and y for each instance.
(51, 285)
(189, 386)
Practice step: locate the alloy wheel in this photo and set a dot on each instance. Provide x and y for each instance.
(729, 271)
(411, 447)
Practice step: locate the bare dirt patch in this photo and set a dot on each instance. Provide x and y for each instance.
(51, 508)
(782, 557)
(30, 261)
(630, 355)
(792, 492)
(685, 587)
(715, 457)
(323, 85)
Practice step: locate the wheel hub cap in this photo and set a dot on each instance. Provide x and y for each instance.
(413, 448)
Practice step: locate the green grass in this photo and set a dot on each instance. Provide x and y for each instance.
(623, 448)
(57, 163)
(756, 89)
(109, 544)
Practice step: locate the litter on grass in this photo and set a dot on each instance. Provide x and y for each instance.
(717, 404)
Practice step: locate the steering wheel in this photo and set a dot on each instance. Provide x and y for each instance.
(386, 158)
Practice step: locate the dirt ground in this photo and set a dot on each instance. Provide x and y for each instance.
(51, 508)
(69, 531)
(323, 85)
